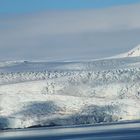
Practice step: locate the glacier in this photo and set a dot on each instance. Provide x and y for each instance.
(70, 93)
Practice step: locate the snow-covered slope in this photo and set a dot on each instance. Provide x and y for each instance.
(132, 53)
(66, 93)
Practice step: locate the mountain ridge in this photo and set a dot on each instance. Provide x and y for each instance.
(135, 52)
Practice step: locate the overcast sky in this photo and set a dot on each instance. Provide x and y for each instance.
(67, 31)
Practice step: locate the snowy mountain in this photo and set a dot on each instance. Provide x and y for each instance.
(69, 93)
(135, 52)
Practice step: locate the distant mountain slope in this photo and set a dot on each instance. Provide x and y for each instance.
(135, 52)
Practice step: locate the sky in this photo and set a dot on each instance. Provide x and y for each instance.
(25, 6)
(57, 30)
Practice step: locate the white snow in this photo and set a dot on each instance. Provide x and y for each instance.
(67, 93)
(132, 53)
